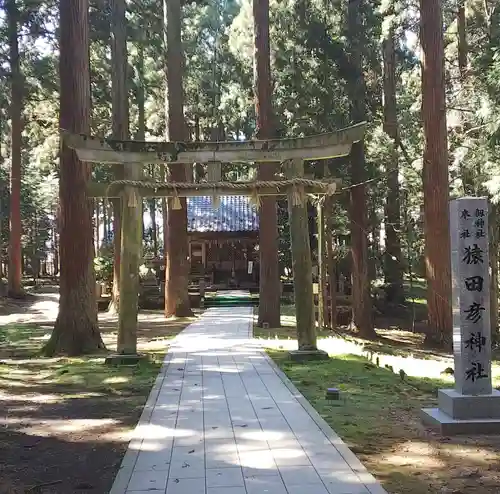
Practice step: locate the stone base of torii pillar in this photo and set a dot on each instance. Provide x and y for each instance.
(473, 407)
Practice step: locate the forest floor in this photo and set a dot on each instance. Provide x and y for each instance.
(66, 422)
(378, 414)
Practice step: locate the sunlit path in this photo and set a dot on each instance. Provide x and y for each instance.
(222, 420)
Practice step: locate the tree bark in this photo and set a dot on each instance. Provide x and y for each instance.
(105, 223)
(152, 214)
(374, 243)
(97, 204)
(494, 243)
(301, 260)
(141, 134)
(393, 265)
(332, 283)
(362, 319)
(55, 232)
(435, 174)
(177, 264)
(76, 329)
(463, 48)
(269, 288)
(120, 124)
(322, 267)
(15, 249)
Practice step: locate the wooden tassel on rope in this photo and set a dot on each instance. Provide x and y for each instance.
(132, 198)
(255, 198)
(298, 196)
(176, 202)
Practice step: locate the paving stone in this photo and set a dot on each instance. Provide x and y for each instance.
(222, 460)
(268, 484)
(225, 477)
(342, 482)
(188, 453)
(149, 480)
(307, 489)
(290, 457)
(153, 460)
(226, 490)
(258, 463)
(298, 475)
(185, 486)
(191, 469)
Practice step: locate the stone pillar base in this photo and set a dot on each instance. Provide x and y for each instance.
(307, 355)
(464, 414)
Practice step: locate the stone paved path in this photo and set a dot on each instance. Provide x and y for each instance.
(222, 419)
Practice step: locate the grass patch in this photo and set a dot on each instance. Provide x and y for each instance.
(87, 375)
(378, 417)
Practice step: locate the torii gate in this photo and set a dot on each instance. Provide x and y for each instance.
(290, 152)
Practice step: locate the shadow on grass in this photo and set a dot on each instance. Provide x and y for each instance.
(378, 417)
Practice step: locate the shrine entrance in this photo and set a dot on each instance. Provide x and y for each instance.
(291, 153)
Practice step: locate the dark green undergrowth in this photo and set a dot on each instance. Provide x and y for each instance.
(369, 394)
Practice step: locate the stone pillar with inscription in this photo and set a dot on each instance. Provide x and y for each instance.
(473, 406)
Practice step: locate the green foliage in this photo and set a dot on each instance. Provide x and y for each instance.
(103, 266)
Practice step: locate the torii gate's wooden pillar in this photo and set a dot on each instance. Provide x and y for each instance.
(302, 268)
(131, 247)
(293, 152)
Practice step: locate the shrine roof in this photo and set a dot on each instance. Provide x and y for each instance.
(234, 214)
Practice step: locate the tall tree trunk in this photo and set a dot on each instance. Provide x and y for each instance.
(269, 292)
(141, 133)
(120, 125)
(55, 240)
(332, 282)
(15, 249)
(435, 174)
(105, 223)
(76, 329)
(393, 265)
(362, 319)
(374, 245)
(111, 219)
(462, 39)
(152, 213)
(322, 267)
(494, 243)
(177, 265)
(97, 241)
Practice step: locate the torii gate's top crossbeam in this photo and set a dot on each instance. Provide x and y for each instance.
(330, 145)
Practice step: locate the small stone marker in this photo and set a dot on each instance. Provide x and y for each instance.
(473, 406)
(333, 394)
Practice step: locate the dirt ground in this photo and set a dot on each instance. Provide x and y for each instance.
(65, 423)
